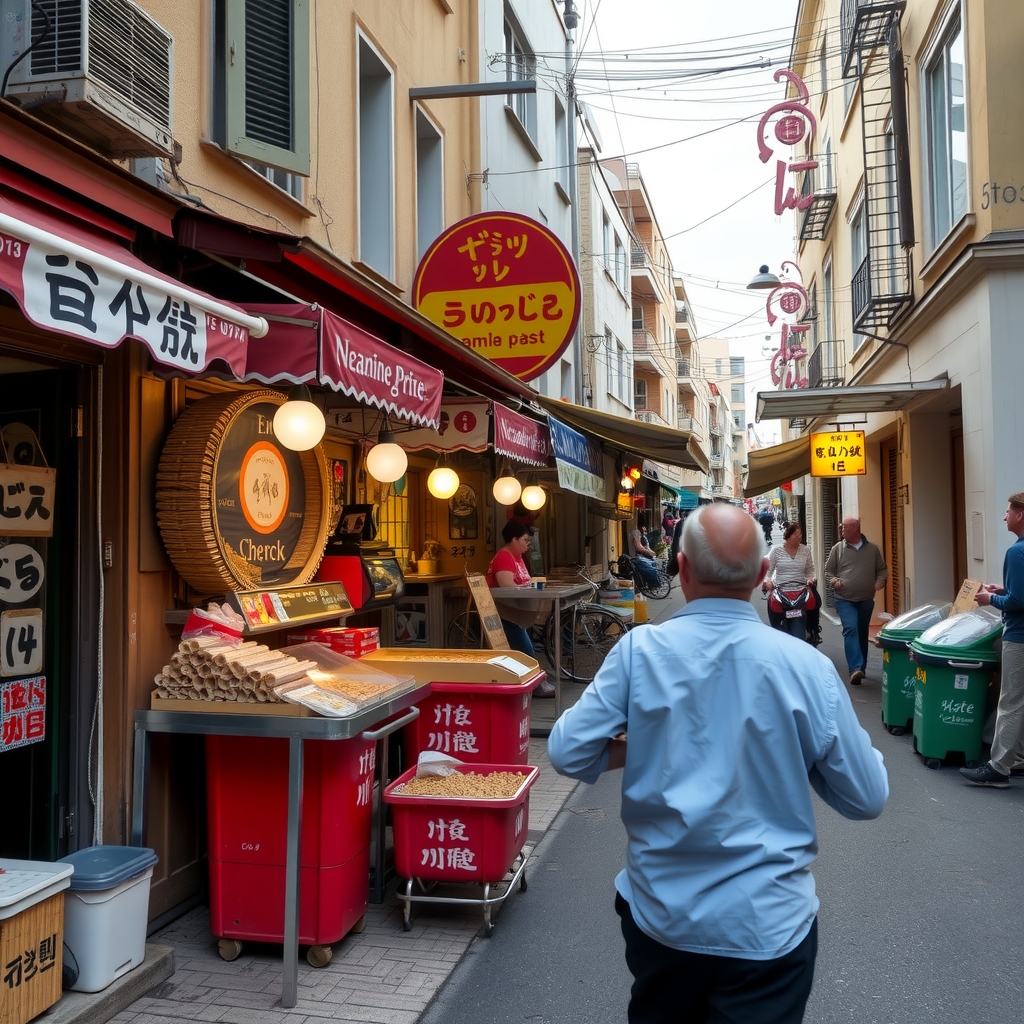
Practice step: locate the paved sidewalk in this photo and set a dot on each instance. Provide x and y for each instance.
(382, 974)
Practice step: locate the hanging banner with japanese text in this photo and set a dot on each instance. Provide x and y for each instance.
(579, 460)
(22, 712)
(464, 424)
(85, 286)
(519, 437)
(839, 453)
(505, 286)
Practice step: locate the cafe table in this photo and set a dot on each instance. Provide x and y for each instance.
(558, 597)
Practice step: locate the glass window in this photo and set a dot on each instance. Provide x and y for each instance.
(376, 162)
(946, 148)
(859, 250)
(562, 168)
(638, 318)
(639, 394)
(429, 183)
(519, 67)
(827, 296)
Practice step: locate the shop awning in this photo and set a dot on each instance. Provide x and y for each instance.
(647, 440)
(465, 426)
(835, 403)
(310, 343)
(579, 460)
(519, 437)
(81, 283)
(768, 468)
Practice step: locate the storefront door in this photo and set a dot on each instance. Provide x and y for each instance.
(39, 610)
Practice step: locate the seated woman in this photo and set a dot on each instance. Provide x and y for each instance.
(508, 569)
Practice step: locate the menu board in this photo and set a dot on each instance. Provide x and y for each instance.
(490, 620)
(264, 610)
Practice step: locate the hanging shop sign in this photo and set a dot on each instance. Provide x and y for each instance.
(236, 509)
(22, 712)
(464, 427)
(306, 343)
(506, 287)
(519, 437)
(793, 122)
(838, 454)
(75, 282)
(26, 500)
(579, 460)
(787, 303)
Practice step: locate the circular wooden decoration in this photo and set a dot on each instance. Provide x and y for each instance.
(236, 509)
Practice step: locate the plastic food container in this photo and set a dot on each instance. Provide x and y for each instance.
(106, 910)
(456, 839)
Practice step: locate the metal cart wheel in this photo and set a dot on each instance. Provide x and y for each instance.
(934, 763)
(896, 730)
(319, 956)
(464, 632)
(229, 949)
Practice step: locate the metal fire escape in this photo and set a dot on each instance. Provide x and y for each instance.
(882, 285)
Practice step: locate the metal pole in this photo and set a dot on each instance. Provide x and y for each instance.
(571, 20)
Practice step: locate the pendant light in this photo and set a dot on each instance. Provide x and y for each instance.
(299, 424)
(443, 481)
(533, 497)
(386, 461)
(506, 488)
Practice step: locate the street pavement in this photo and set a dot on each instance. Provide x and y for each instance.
(921, 918)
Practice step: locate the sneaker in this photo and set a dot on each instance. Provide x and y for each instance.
(986, 775)
(545, 689)
(856, 676)
(816, 638)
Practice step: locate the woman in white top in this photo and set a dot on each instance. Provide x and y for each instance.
(790, 567)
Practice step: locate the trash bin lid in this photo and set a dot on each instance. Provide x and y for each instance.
(103, 867)
(970, 636)
(912, 624)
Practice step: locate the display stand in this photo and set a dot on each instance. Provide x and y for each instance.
(295, 730)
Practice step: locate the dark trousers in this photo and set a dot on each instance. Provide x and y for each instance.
(518, 638)
(673, 987)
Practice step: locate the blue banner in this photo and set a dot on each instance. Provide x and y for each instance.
(579, 460)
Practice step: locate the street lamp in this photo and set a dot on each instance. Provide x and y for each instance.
(763, 280)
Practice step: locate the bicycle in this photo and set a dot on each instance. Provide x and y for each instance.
(588, 632)
(654, 583)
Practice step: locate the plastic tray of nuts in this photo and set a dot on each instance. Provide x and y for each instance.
(471, 839)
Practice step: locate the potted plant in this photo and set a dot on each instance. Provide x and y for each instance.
(428, 563)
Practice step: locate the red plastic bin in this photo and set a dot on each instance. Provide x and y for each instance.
(247, 810)
(455, 839)
(482, 723)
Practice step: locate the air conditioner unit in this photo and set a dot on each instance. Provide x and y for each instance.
(102, 74)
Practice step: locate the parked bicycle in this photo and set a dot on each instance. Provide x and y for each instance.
(589, 632)
(648, 577)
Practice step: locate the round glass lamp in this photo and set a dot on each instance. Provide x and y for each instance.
(443, 482)
(386, 461)
(533, 497)
(506, 490)
(299, 424)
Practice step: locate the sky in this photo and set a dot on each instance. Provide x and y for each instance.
(667, 82)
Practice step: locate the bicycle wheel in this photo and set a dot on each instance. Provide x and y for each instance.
(464, 632)
(659, 589)
(589, 632)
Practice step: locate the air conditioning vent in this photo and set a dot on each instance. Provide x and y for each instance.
(102, 75)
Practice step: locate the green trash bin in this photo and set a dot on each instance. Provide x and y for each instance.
(897, 669)
(954, 663)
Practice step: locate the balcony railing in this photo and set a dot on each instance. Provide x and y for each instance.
(716, 429)
(881, 289)
(827, 366)
(650, 416)
(864, 25)
(819, 182)
(682, 315)
(716, 460)
(682, 367)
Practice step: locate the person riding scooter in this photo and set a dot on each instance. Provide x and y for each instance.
(791, 569)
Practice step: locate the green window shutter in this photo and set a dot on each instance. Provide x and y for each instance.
(266, 84)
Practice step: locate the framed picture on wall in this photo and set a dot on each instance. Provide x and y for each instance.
(337, 471)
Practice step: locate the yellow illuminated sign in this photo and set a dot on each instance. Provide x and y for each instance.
(838, 454)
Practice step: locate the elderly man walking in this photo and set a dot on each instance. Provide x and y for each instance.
(730, 725)
(856, 570)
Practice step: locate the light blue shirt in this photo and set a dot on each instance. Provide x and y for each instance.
(728, 720)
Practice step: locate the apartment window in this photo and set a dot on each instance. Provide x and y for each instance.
(858, 250)
(638, 318)
(736, 366)
(284, 180)
(739, 419)
(946, 130)
(619, 372)
(639, 394)
(812, 312)
(562, 167)
(827, 296)
(823, 65)
(376, 162)
(736, 394)
(261, 81)
(429, 183)
(620, 264)
(606, 241)
(519, 67)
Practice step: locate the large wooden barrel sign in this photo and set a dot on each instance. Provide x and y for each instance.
(236, 509)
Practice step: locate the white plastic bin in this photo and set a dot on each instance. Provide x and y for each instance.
(105, 912)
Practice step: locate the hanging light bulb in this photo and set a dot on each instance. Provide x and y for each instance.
(386, 461)
(443, 481)
(299, 424)
(506, 489)
(626, 483)
(534, 497)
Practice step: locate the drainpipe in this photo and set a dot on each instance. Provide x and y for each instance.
(571, 18)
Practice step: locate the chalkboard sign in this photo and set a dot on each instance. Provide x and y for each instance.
(265, 610)
(490, 620)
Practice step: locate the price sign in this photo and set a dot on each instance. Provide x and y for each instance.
(21, 641)
(841, 453)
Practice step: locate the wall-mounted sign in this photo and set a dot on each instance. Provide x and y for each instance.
(464, 427)
(795, 122)
(505, 286)
(22, 712)
(237, 510)
(26, 500)
(838, 454)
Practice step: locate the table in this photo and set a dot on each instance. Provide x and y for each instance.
(554, 596)
(432, 587)
(295, 729)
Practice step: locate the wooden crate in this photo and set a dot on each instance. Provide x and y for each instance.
(31, 944)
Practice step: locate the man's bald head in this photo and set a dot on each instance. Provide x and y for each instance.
(723, 549)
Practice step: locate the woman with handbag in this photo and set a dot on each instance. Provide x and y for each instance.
(791, 567)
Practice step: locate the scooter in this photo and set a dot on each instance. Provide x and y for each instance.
(792, 604)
